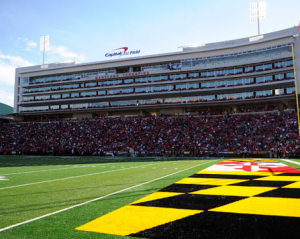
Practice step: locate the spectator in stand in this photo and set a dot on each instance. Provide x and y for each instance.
(210, 133)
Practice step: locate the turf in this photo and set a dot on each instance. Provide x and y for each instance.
(40, 185)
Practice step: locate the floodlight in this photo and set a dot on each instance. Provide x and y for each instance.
(44, 45)
(258, 12)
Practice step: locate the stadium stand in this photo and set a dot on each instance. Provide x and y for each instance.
(255, 134)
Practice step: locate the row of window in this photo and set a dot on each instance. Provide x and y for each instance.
(237, 57)
(27, 80)
(189, 99)
(160, 88)
(145, 80)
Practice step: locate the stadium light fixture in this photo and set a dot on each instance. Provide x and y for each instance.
(44, 45)
(258, 12)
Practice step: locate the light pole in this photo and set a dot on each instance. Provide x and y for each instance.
(44, 45)
(258, 12)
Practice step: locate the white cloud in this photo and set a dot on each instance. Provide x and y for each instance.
(29, 43)
(16, 60)
(8, 65)
(62, 53)
(7, 97)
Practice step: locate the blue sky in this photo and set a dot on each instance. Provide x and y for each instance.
(85, 30)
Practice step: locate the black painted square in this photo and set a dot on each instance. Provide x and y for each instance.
(282, 193)
(185, 188)
(262, 183)
(215, 225)
(192, 201)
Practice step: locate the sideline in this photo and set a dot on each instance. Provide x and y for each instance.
(96, 199)
(90, 174)
(290, 161)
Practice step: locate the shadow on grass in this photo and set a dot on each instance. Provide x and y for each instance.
(21, 161)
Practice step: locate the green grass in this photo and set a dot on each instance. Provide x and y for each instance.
(74, 180)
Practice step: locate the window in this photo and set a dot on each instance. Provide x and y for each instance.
(54, 107)
(90, 84)
(238, 70)
(279, 91)
(56, 96)
(24, 80)
(290, 75)
(78, 106)
(173, 100)
(128, 81)
(66, 95)
(121, 103)
(249, 69)
(260, 79)
(264, 93)
(279, 77)
(88, 93)
(162, 88)
(248, 81)
(150, 101)
(98, 104)
(290, 90)
(193, 75)
(28, 98)
(76, 94)
(64, 106)
(204, 74)
(42, 97)
(259, 68)
(141, 80)
(181, 87)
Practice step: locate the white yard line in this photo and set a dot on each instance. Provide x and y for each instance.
(96, 199)
(59, 179)
(290, 161)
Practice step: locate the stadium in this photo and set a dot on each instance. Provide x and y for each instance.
(233, 98)
(201, 143)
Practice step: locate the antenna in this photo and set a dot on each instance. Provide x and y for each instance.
(44, 45)
(258, 12)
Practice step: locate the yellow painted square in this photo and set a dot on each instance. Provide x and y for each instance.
(210, 181)
(242, 191)
(133, 219)
(155, 196)
(289, 207)
(293, 185)
(280, 178)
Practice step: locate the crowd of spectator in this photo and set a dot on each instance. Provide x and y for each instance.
(274, 134)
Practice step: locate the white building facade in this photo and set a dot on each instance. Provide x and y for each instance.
(255, 71)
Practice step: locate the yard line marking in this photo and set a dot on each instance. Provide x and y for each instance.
(290, 161)
(59, 179)
(3, 178)
(96, 199)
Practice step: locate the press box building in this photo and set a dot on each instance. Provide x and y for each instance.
(254, 71)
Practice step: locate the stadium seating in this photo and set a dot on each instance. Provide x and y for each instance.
(212, 133)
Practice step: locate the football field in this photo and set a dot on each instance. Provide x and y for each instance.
(115, 197)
